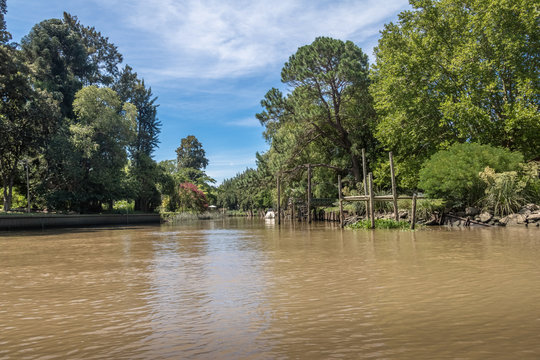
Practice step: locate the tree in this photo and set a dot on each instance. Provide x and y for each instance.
(190, 154)
(5, 36)
(191, 198)
(102, 55)
(330, 99)
(65, 56)
(94, 158)
(142, 167)
(458, 71)
(59, 60)
(144, 175)
(27, 118)
(133, 90)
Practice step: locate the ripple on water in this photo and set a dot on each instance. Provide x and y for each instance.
(224, 290)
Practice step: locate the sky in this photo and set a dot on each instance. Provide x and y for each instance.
(211, 62)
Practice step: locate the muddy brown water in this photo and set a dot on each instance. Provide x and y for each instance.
(241, 289)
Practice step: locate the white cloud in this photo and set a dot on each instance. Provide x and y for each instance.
(246, 122)
(226, 164)
(219, 39)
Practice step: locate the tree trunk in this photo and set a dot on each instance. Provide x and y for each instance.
(8, 191)
(143, 204)
(138, 204)
(356, 169)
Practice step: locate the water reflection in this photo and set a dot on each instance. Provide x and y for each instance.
(251, 289)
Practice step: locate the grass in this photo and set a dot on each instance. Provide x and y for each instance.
(181, 216)
(381, 224)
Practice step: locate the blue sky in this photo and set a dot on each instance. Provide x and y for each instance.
(210, 62)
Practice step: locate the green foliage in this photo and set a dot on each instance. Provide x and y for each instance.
(245, 191)
(19, 200)
(5, 36)
(382, 206)
(190, 154)
(328, 115)
(94, 158)
(425, 208)
(143, 176)
(172, 176)
(454, 71)
(453, 174)
(76, 142)
(380, 224)
(27, 118)
(507, 191)
(133, 90)
(60, 60)
(66, 55)
(103, 56)
(123, 207)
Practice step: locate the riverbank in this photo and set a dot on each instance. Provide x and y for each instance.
(528, 215)
(43, 221)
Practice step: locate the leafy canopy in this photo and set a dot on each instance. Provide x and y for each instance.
(190, 154)
(455, 71)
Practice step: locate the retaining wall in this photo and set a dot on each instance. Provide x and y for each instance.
(13, 222)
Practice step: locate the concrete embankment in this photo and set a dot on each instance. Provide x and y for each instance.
(16, 222)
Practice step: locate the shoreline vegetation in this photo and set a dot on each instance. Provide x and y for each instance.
(448, 113)
(528, 215)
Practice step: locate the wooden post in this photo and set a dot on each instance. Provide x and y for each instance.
(394, 191)
(364, 169)
(413, 218)
(309, 192)
(292, 213)
(28, 187)
(278, 201)
(371, 201)
(340, 201)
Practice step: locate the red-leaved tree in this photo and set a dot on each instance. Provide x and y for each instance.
(192, 198)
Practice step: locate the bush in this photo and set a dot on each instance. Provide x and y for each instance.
(453, 174)
(506, 192)
(123, 206)
(425, 208)
(357, 207)
(192, 198)
(381, 224)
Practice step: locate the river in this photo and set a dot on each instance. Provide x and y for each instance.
(248, 289)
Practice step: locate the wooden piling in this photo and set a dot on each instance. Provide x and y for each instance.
(278, 201)
(413, 217)
(394, 191)
(371, 201)
(364, 170)
(309, 193)
(340, 201)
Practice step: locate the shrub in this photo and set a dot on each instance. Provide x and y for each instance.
(507, 191)
(453, 174)
(192, 198)
(358, 207)
(380, 224)
(382, 206)
(427, 207)
(123, 206)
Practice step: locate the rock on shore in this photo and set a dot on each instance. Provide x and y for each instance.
(528, 215)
